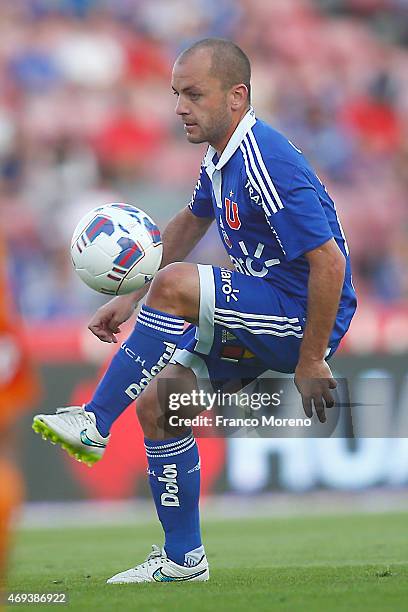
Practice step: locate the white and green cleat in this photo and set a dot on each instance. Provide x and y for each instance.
(74, 429)
(159, 568)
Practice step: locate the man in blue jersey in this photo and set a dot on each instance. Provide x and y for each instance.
(287, 304)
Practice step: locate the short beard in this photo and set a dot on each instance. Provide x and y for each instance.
(218, 130)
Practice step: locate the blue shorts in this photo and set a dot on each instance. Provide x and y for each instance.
(246, 326)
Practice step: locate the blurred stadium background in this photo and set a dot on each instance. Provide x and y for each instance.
(86, 117)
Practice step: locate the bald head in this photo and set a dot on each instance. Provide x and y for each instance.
(229, 64)
(211, 80)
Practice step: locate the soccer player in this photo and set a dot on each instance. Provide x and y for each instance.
(288, 303)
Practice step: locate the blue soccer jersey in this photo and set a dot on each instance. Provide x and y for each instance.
(271, 208)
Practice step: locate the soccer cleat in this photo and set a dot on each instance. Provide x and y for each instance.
(158, 568)
(73, 428)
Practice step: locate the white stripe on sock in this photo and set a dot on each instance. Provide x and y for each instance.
(172, 331)
(143, 317)
(177, 452)
(169, 445)
(155, 315)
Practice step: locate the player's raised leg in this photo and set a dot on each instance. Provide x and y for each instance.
(172, 299)
(174, 476)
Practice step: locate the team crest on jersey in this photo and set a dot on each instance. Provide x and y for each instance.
(231, 214)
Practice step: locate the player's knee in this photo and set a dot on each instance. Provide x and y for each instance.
(172, 286)
(168, 281)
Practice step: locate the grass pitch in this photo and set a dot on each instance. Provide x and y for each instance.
(354, 562)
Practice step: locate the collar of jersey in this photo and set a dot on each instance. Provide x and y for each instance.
(247, 122)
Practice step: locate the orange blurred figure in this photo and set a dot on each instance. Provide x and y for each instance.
(18, 391)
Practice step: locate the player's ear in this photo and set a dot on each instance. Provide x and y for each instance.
(239, 97)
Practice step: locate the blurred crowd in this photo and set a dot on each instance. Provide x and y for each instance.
(86, 117)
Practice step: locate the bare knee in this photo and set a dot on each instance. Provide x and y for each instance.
(176, 289)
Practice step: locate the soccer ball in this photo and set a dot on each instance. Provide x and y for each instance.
(116, 248)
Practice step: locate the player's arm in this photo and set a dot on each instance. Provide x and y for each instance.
(303, 230)
(313, 376)
(181, 235)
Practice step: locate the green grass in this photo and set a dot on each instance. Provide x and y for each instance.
(354, 562)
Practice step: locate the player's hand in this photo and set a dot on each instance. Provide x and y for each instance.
(313, 380)
(108, 318)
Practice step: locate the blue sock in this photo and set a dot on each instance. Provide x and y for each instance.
(174, 475)
(144, 354)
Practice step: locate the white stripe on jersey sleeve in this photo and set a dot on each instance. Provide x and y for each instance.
(251, 162)
(264, 169)
(265, 208)
(251, 178)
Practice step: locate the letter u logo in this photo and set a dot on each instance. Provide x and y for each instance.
(231, 214)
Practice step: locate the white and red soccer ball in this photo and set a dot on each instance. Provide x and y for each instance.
(116, 248)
